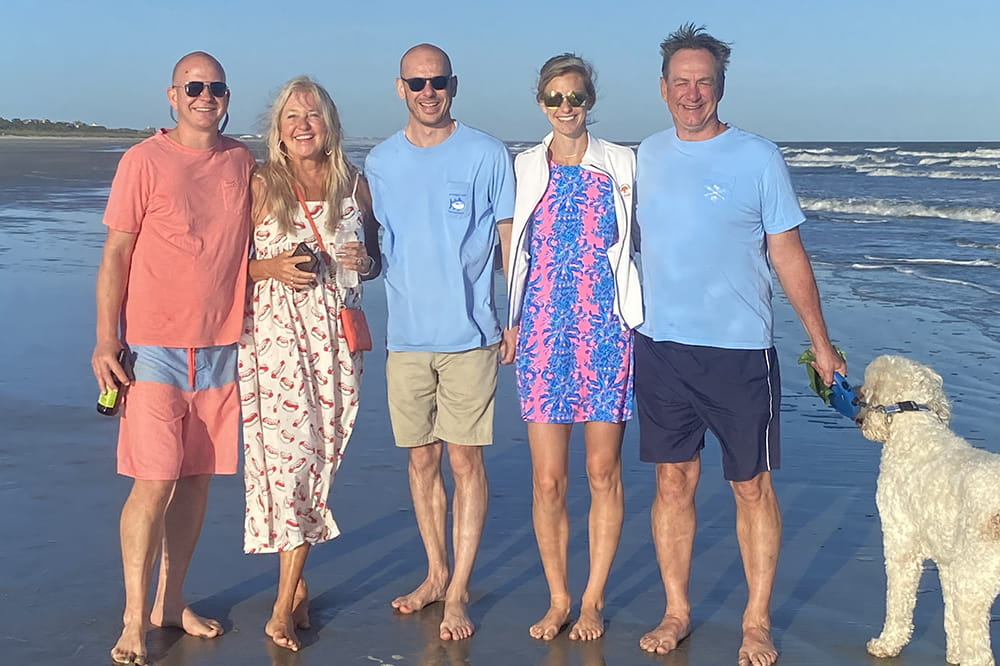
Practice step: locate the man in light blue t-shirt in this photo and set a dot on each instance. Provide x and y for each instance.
(716, 211)
(442, 192)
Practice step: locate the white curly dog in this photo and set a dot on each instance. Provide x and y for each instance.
(939, 499)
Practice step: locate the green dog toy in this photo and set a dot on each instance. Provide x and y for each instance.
(815, 381)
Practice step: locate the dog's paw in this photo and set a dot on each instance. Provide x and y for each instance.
(880, 647)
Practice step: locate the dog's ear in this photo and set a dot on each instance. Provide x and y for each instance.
(932, 391)
(875, 382)
(875, 426)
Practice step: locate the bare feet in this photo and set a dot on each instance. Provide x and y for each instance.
(666, 636)
(550, 625)
(427, 593)
(589, 626)
(131, 645)
(757, 648)
(300, 606)
(281, 629)
(192, 623)
(456, 625)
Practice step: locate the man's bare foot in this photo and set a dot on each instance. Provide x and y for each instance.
(456, 625)
(192, 623)
(281, 629)
(131, 645)
(300, 606)
(550, 625)
(666, 636)
(589, 626)
(757, 648)
(427, 593)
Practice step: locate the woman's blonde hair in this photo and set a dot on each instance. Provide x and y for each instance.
(279, 199)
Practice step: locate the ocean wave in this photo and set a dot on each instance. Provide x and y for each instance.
(882, 149)
(930, 278)
(884, 164)
(889, 208)
(936, 262)
(930, 161)
(977, 153)
(795, 160)
(965, 242)
(811, 151)
(943, 175)
(973, 163)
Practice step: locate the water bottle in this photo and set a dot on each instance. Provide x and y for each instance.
(348, 231)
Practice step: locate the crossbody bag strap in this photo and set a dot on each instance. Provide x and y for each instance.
(312, 222)
(331, 271)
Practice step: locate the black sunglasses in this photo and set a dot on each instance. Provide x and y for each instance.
(554, 100)
(195, 88)
(418, 83)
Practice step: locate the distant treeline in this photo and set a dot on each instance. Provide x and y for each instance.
(35, 127)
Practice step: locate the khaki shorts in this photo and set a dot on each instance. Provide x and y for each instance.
(446, 396)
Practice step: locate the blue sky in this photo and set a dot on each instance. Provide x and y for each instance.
(846, 70)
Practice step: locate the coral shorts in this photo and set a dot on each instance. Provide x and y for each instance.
(181, 416)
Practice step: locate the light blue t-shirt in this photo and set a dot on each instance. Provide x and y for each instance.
(439, 207)
(703, 209)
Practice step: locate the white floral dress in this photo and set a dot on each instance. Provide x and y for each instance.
(299, 388)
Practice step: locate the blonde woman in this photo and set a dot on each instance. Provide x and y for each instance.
(298, 380)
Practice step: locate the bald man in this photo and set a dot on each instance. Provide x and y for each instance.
(443, 191)
(170, 291)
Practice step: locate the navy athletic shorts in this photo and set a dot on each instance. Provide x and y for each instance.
(683, 390)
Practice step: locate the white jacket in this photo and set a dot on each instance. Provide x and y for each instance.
(532, 171)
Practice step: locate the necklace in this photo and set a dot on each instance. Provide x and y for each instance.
(569, 159)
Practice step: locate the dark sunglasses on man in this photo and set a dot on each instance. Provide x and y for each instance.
(553, 99)
(195, 88)
(418, 83)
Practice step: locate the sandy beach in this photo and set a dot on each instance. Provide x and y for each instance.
(60, 588)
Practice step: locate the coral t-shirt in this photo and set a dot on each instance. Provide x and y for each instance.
(191, 211)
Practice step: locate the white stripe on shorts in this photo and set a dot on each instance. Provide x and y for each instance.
(770, 413)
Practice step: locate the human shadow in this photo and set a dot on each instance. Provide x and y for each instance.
(390, 566)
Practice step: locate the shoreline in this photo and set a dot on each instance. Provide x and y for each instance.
(75, 137)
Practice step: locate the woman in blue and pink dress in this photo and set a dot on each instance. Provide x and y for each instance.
(574, 300)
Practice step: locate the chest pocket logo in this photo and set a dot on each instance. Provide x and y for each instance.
(235, 195)
(717, 189)
(458, 198)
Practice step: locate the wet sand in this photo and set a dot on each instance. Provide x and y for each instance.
(61, 592)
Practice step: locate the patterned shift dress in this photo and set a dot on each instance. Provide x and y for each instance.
(574, 355)
(299, 392)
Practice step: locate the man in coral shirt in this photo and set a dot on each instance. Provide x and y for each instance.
(170, 291)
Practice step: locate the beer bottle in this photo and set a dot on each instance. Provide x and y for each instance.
(109, 401)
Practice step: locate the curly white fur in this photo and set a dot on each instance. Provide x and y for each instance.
(939, 499)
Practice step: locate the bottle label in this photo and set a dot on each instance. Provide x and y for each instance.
(108, 398)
